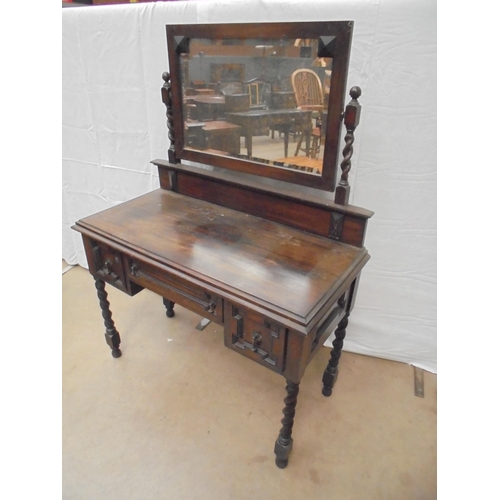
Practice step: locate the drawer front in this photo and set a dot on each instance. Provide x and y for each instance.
(256, 337)
(176, 289)
(108, 264)
(105, 263)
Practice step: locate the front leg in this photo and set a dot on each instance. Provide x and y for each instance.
(169, 305)
(112, 336)
(284, 443)
(332, 369)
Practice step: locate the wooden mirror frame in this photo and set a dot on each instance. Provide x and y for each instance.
(334, 41)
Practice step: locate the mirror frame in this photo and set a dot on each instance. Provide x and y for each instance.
(334, 41)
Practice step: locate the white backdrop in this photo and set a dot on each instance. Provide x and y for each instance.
(114, 124)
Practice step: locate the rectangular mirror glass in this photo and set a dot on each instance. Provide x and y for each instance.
(269, 105)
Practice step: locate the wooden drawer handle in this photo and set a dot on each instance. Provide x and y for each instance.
(257, 340)
(107, 269)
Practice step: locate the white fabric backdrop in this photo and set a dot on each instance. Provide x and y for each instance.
(114, 124)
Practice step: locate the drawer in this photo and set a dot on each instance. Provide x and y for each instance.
(178, 290)
(256, 337)
(107, 263)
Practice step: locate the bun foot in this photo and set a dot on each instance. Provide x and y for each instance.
(280, 463)
(169, 306)
(116, 353)
(326, 391)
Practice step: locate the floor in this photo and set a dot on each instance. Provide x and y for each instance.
(179, 416)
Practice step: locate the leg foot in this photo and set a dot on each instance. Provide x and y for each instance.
(169, 305)
(326, 391)
(111, 335)
(284, 443)
(332, 370)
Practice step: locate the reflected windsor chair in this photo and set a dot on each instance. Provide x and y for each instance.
(309, 96)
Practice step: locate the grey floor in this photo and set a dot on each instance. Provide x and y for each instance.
(179, 416)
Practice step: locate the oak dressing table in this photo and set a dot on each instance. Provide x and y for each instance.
(268, 249)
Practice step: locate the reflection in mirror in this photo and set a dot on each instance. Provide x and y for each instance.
(263, 100)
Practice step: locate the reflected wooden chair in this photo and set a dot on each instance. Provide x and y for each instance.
(309, 96)
(308, 90)
(257, 90)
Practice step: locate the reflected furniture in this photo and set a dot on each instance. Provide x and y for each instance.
(259, 122)
(309, 96)
(308, 90)
(207, 107)
(217, 135)
(271, 253)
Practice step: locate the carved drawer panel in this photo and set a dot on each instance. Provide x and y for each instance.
(256, 337)
(176, 289)
(108, 264)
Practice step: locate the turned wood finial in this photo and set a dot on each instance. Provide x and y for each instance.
(351, 121)
(355, 93)
(166, 97)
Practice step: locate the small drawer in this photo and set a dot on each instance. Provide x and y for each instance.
(178, 290)
(106, 263)
(256, 337)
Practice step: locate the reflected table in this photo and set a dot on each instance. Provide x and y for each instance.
(258, 122)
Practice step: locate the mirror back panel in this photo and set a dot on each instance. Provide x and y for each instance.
(266, 99)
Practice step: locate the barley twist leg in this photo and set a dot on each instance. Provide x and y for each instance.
(112, 336)
(284, 443)
(332, 369)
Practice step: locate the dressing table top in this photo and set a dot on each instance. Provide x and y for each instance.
(281, 269)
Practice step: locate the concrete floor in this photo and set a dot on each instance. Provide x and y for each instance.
(180, 416)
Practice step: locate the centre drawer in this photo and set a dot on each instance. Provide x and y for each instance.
(177, 289)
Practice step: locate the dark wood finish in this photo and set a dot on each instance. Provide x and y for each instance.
(332, 370)
(351, 120)
(108, 265)
(338, 35)
(169, 306)
(306, 213)
(177, 288)
(111, 335)
(284, 443)
(166, 96)
(276, 264)
(255, 259)
(255, 337)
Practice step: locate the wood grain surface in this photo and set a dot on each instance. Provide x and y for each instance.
(278, 265)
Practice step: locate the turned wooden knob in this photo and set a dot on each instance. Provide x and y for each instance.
(257, 340)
